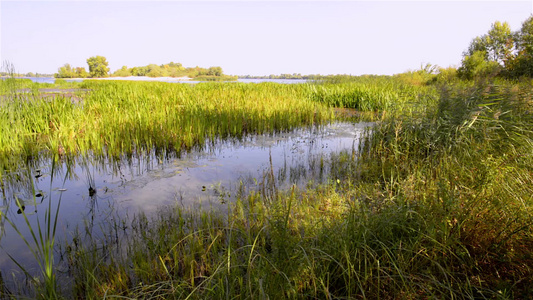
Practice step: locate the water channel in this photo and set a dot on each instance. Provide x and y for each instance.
(91, 191)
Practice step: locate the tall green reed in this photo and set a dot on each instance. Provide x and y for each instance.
(40, 242)
(465, 162)
(125, 117)
(436, 205)
(369, 93)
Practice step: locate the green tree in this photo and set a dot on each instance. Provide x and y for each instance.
(65, 71)
(155, 71)
(98, 66)
(123, 72)
(81, 72)
(488, 54)
(522, 63)
(476, 65)
(201, 71)
(139, 71)
(215, 71)
(497, 45)
(500, 42)
(176, 65)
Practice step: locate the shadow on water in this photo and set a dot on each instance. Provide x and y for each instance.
(96, 190)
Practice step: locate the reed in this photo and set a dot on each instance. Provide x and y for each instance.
(371, 93)
(464, 167)
(41, 244)
(117, 118)
(435, 204)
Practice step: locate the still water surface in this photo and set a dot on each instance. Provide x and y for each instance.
(95, 191)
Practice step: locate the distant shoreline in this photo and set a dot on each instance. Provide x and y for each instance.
(135, 78)
(131, 78)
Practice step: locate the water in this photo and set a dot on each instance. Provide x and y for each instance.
(93, 191)
(287, 81)
(41, 79)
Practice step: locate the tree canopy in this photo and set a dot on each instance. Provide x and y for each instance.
(66, 71)
(98, 66)
(500, 52)
(171, 69)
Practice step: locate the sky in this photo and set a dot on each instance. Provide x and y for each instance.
(249, 37)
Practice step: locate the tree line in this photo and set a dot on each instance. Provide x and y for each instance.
(500, 52)
(98, 67)
(282, 76)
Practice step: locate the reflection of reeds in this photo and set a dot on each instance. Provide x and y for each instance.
(40, 242)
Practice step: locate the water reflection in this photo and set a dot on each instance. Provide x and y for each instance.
(215, 174)
(95, 189)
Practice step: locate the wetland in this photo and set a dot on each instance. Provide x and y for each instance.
(346, 187)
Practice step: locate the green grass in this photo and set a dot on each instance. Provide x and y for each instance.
(117, 118)
(465, 166)
(12, 85)
(436, 204)
(371, 93)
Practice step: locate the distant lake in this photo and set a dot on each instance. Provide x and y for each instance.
(287, 81)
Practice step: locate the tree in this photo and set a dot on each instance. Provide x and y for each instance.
(524, 37)
(65, 71)
(154, 71)
(522, 63)
(98, 66)
(139, 71)
(81, 72)
(497, 45)
(500, 42)
(176, 65)
(476, 65)
(122, 72)
(488, 54)
(215, 71)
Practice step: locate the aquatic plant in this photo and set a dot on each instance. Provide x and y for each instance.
(436, 204)
(41, 243)
(117, 118)
(370, 93)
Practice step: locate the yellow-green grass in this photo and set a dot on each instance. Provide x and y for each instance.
(437, 205)
(371, 93)
(116, 118)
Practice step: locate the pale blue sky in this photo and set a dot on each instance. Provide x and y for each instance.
(249, 37)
